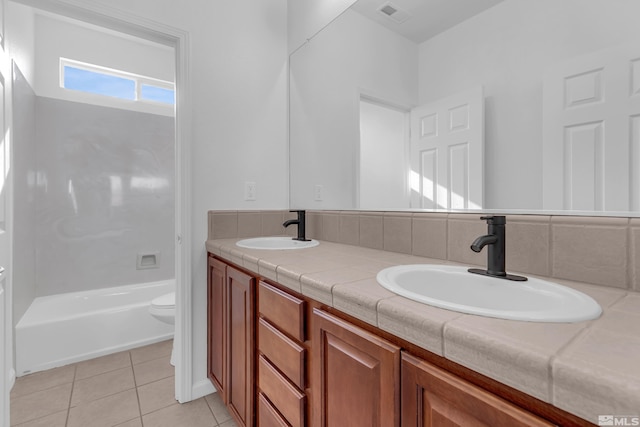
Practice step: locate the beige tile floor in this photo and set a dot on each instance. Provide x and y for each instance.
(133, 388)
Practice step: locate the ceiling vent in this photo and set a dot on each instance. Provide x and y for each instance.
(393, 12)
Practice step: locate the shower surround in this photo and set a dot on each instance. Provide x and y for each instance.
(104, 196)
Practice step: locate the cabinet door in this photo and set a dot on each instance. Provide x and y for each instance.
(240, 343)
(356, 375)
(216, 360)
(433, 397)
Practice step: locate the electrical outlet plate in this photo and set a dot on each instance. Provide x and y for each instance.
(318, 193)
(249, 190)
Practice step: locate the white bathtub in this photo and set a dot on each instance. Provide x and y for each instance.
(61, 329)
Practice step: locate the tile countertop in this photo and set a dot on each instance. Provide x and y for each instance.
(587, 368)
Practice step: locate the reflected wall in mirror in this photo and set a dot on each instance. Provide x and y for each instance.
(548, 69)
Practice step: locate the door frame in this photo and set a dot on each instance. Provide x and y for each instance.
(138, 26)
(8, 374)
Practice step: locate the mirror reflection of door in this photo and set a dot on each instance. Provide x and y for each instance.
(383, 180)
(447, 152)
(591, 116)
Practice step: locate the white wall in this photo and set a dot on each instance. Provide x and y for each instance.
(20, 45)
(20, 31)
(238, 74)
(106, 195)
(506, 49)
(307, 17)
(105, 176)
(23, 131)
(60, 38)
(351, 56)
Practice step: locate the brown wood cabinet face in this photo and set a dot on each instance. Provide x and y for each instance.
(434, 397)
(282, 352)
(323, 370)
(355, 375)
(267, 414)
(216, 360)
(287, 398)
(282, 309)
(240, 344)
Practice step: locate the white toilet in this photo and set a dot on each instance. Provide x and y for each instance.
(163, 308)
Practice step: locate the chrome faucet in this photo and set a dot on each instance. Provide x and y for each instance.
(301, 225)
(496, 241)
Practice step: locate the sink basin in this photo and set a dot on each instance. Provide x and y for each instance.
(276, 243)
(454, 288)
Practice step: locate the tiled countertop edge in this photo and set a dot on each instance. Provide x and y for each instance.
(586, 368)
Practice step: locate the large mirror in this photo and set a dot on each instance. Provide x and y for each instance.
(557, 124)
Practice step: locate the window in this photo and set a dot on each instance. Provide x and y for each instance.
(99, 83)
(151, 92)
(98, 80)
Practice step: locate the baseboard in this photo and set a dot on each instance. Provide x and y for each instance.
(202, 388)
(12, 378)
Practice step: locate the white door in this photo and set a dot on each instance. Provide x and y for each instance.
(591, 132)
(6, 340)
(447, 152)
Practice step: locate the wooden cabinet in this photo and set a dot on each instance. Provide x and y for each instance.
(268, 416)
(216, 322)
(231, 338)
(355, 375)
(282, 358)
(240, 345)
(434, 397)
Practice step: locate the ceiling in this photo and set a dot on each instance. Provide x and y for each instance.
(426, 17)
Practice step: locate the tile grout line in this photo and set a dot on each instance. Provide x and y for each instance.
(630, 257)
(212, 414)
(135, 386)
(73, 383)
(75, 379)
(559, 354)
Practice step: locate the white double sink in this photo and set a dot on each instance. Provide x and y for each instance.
(454, 288)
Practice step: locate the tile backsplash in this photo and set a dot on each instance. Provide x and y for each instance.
(599, 250)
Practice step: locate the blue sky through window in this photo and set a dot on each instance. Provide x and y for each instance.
(99, 83)
(158, 94)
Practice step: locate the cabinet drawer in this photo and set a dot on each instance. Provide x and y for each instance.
(283, 310)
(283, 352)
(284, 396)
(267, 415)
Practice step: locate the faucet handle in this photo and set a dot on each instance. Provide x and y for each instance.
(300, 213)
(495, 219)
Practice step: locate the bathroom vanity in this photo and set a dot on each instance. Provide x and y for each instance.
(282, 352)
